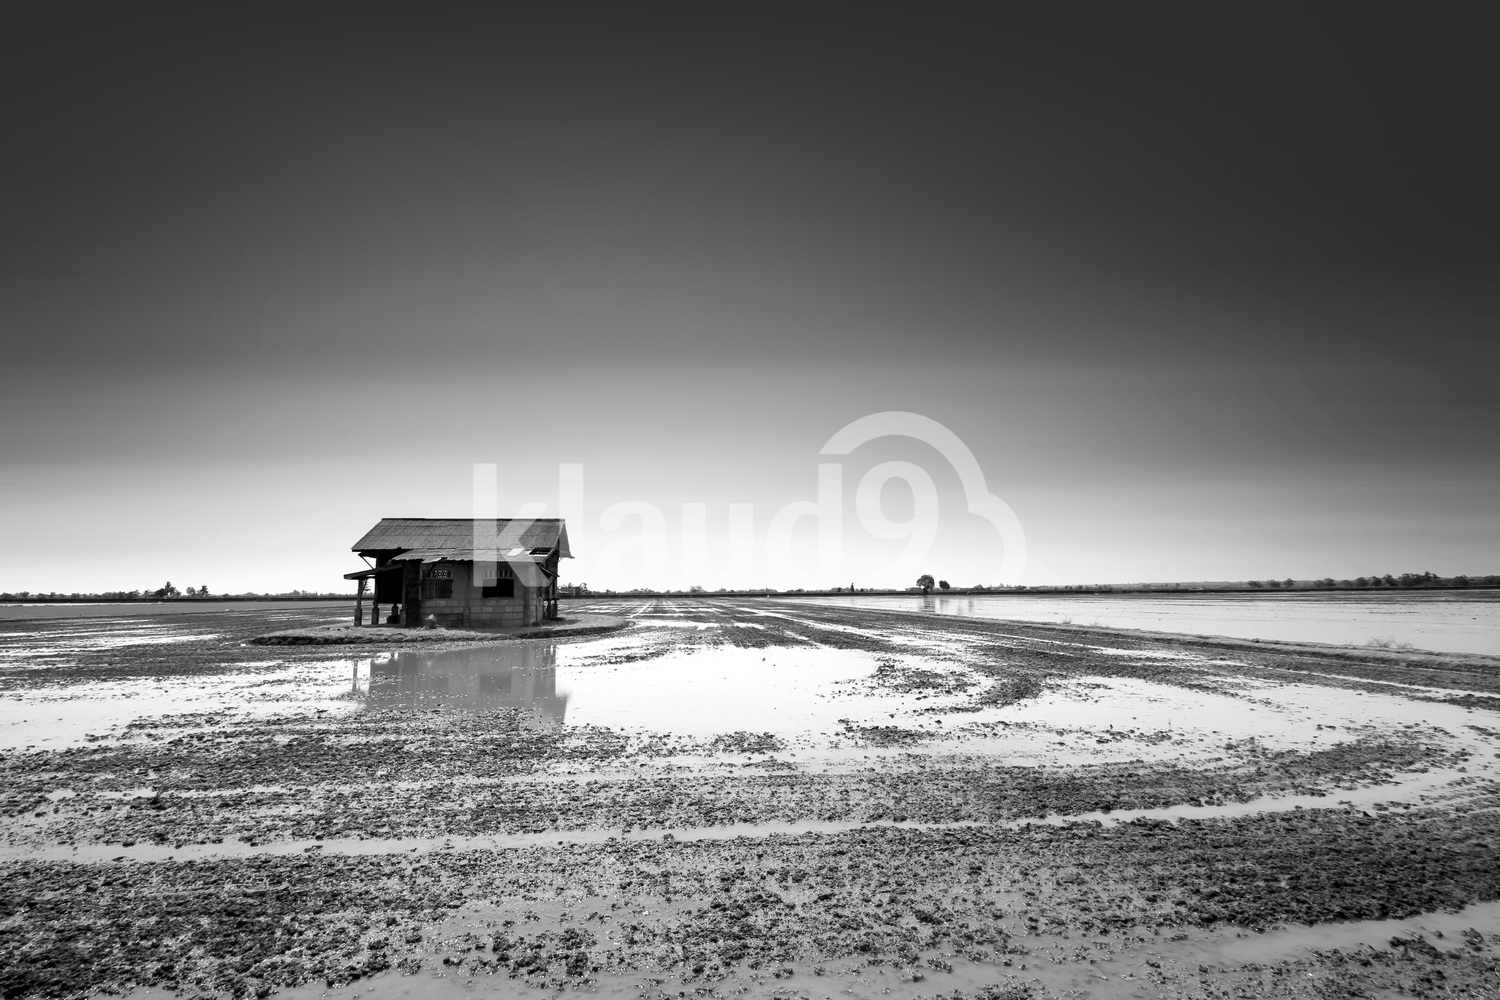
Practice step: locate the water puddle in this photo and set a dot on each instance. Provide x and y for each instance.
(49, 718)
(706, 691)
(477, 680)
(694, 692)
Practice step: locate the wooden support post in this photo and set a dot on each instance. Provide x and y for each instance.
(552, 565)
(411, 592)
(359, 603)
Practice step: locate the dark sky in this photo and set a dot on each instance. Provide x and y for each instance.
(1131, 256)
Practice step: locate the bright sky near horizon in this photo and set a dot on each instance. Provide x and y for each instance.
(1206, 298)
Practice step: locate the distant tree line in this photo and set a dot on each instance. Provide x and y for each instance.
(166, 592)
(1406, 581)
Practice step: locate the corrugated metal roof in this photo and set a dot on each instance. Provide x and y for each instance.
(401, 533)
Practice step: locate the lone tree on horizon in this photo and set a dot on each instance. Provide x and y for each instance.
(925, 581)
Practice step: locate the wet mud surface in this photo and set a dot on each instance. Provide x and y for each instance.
(742, 798)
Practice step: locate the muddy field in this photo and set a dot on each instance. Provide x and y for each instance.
(742, 798)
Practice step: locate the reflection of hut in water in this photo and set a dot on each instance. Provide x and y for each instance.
(478, 680)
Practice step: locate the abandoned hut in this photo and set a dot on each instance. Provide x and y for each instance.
(462, 572)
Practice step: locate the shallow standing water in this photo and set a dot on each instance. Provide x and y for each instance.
(692, 691)
(1444, 621)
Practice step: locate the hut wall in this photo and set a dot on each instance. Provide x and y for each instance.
(468, 608)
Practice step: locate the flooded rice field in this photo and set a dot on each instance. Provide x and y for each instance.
(743, 797)
(1451, 621)
(299, 609)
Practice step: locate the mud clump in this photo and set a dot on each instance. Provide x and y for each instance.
(886, 736)
(1010, 690)
(746, 743)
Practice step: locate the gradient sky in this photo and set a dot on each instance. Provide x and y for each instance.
(1208, 295)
